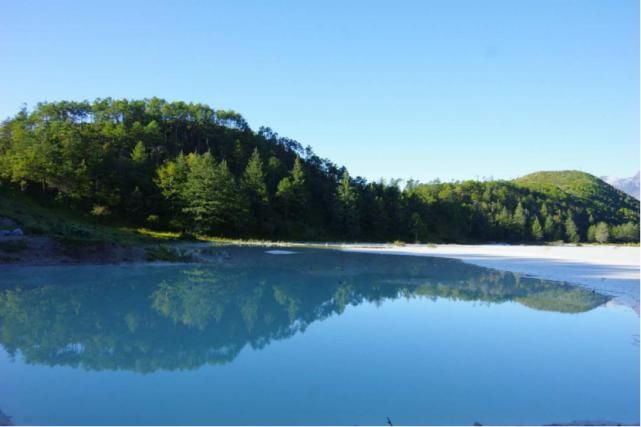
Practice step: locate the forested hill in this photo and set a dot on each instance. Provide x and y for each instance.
(580, 186)
(188, 167)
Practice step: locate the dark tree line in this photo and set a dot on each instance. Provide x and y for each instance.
(188, 167)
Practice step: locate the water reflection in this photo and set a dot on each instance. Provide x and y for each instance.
(147, 318)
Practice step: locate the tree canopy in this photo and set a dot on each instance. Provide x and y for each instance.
(191, 168)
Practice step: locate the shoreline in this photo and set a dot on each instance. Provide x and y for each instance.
(608, 269)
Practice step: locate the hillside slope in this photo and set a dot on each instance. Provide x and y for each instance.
(54, 234)
(581, 188)
(630, 185)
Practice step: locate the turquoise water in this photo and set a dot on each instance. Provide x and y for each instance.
(315, 337)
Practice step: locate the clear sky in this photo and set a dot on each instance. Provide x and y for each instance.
(409, 89)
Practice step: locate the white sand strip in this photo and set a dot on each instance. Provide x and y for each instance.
(613, 270)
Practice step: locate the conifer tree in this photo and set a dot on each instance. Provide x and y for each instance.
(198, 194)
(504, 221)
(171, 178)
(291, 191)
(139, 153)
(254, 179)
(210, 196)
(255, 190)
(520, 220)
(347, 207)
(536, 229)
(571, 232)
(549, 228)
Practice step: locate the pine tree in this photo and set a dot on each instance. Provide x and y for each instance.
(520, 220)
(544, 210)
(504, 221)
(291, 191)
(254, 179)
(275, 170)
(211, 198)
(198, 193)
(347, 208)
(171, 178)
(139, 153)
(536, 229)
(298, 174)
(549, 228)
(571, 232)
(255, 190)
(233, 213)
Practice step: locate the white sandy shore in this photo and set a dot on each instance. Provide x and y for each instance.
(613, 270)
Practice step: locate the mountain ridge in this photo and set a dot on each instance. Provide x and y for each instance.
(629, 185)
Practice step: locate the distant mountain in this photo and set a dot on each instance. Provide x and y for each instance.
(582, 189)
(627, 185)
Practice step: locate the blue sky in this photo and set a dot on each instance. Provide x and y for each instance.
(416, 89)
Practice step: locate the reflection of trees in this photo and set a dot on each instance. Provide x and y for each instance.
(181, 318)
(193, 301)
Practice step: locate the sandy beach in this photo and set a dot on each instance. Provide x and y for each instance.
(612, 270)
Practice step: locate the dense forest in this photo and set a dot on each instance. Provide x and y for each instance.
(187, 167)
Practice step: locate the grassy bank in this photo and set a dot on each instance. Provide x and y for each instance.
(66, 225)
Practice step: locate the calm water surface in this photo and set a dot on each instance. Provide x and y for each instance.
(315, 337)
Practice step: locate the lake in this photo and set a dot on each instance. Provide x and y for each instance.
(311, 337)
